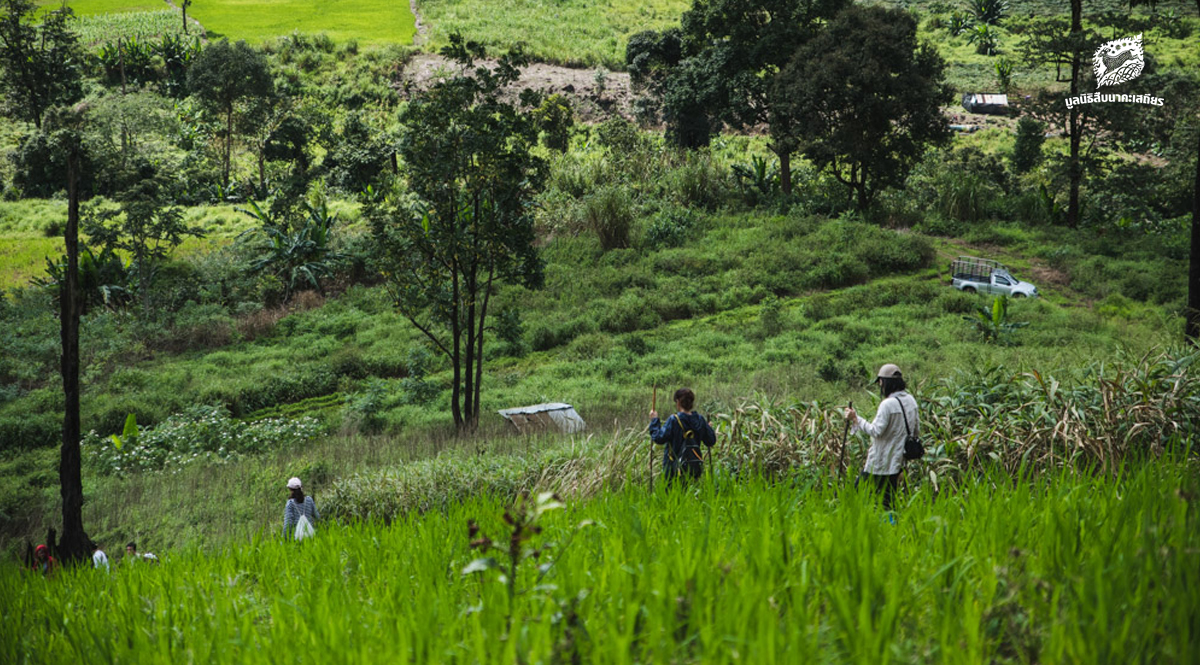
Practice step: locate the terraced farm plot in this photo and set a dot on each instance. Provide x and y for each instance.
(366, 21)
(571, 32)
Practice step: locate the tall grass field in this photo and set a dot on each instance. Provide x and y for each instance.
(1070, 568)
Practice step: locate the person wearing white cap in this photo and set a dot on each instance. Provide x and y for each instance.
(895, 420)
(300, 513)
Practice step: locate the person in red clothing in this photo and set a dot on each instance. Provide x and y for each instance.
(43, 562)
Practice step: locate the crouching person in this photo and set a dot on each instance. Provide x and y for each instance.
(681, 437)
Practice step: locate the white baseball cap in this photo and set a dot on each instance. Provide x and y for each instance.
(294, 484)
(888, 371)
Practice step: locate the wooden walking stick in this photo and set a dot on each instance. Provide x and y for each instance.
(653, 407)
(842, 449)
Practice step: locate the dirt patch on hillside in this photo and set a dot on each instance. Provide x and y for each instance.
(594, 98)
(1040, 275)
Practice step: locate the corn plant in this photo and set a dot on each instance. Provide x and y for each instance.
(108, 28)
(959, 23)
(1004, 72)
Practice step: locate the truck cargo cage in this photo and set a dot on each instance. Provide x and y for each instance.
(974, 269)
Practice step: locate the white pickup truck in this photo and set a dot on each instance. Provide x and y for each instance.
(975, 275)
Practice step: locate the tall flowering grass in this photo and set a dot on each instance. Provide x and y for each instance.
(1129, 410)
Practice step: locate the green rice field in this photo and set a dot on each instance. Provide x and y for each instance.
(1065, 569)
(365, 21)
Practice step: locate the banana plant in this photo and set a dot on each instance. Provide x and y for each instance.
(103, 280)
(129, 434)
(992, 322)
(297, 255)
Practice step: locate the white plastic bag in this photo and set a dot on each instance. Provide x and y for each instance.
(304, 528)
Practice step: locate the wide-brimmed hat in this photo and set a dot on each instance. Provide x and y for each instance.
(294, 484)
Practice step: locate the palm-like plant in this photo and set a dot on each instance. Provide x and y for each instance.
(959, 23)
(103, 279)
(992, 322)
(297, 255)
(1004, 72)
(989, 12)
(757, 179)
(985, 38)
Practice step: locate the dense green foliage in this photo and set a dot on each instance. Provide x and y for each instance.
(40, 62)
(200, 434)
(863, 98)
(1071, 568)
(222, 76)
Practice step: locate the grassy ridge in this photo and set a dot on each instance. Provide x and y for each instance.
(1068, 569)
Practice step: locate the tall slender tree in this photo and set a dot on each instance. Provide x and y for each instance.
(470, 162)
(1074, 126)
(1192, 327)
(223, 75)
(66, 139)
(183, 6)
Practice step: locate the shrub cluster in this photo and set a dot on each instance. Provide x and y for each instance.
(199, 434)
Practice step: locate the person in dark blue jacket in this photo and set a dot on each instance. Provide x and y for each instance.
(681, 437)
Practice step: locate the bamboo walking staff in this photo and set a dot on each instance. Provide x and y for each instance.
(842, 448)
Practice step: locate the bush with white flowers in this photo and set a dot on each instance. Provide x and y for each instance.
(198, 434)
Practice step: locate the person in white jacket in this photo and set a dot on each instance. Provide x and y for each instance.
(895, 420)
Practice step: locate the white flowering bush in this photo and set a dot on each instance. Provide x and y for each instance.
(199, 434)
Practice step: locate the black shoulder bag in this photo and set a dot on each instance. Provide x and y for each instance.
(913, 449)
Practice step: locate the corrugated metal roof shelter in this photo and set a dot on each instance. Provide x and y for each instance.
(986, 103)
(541, 417)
